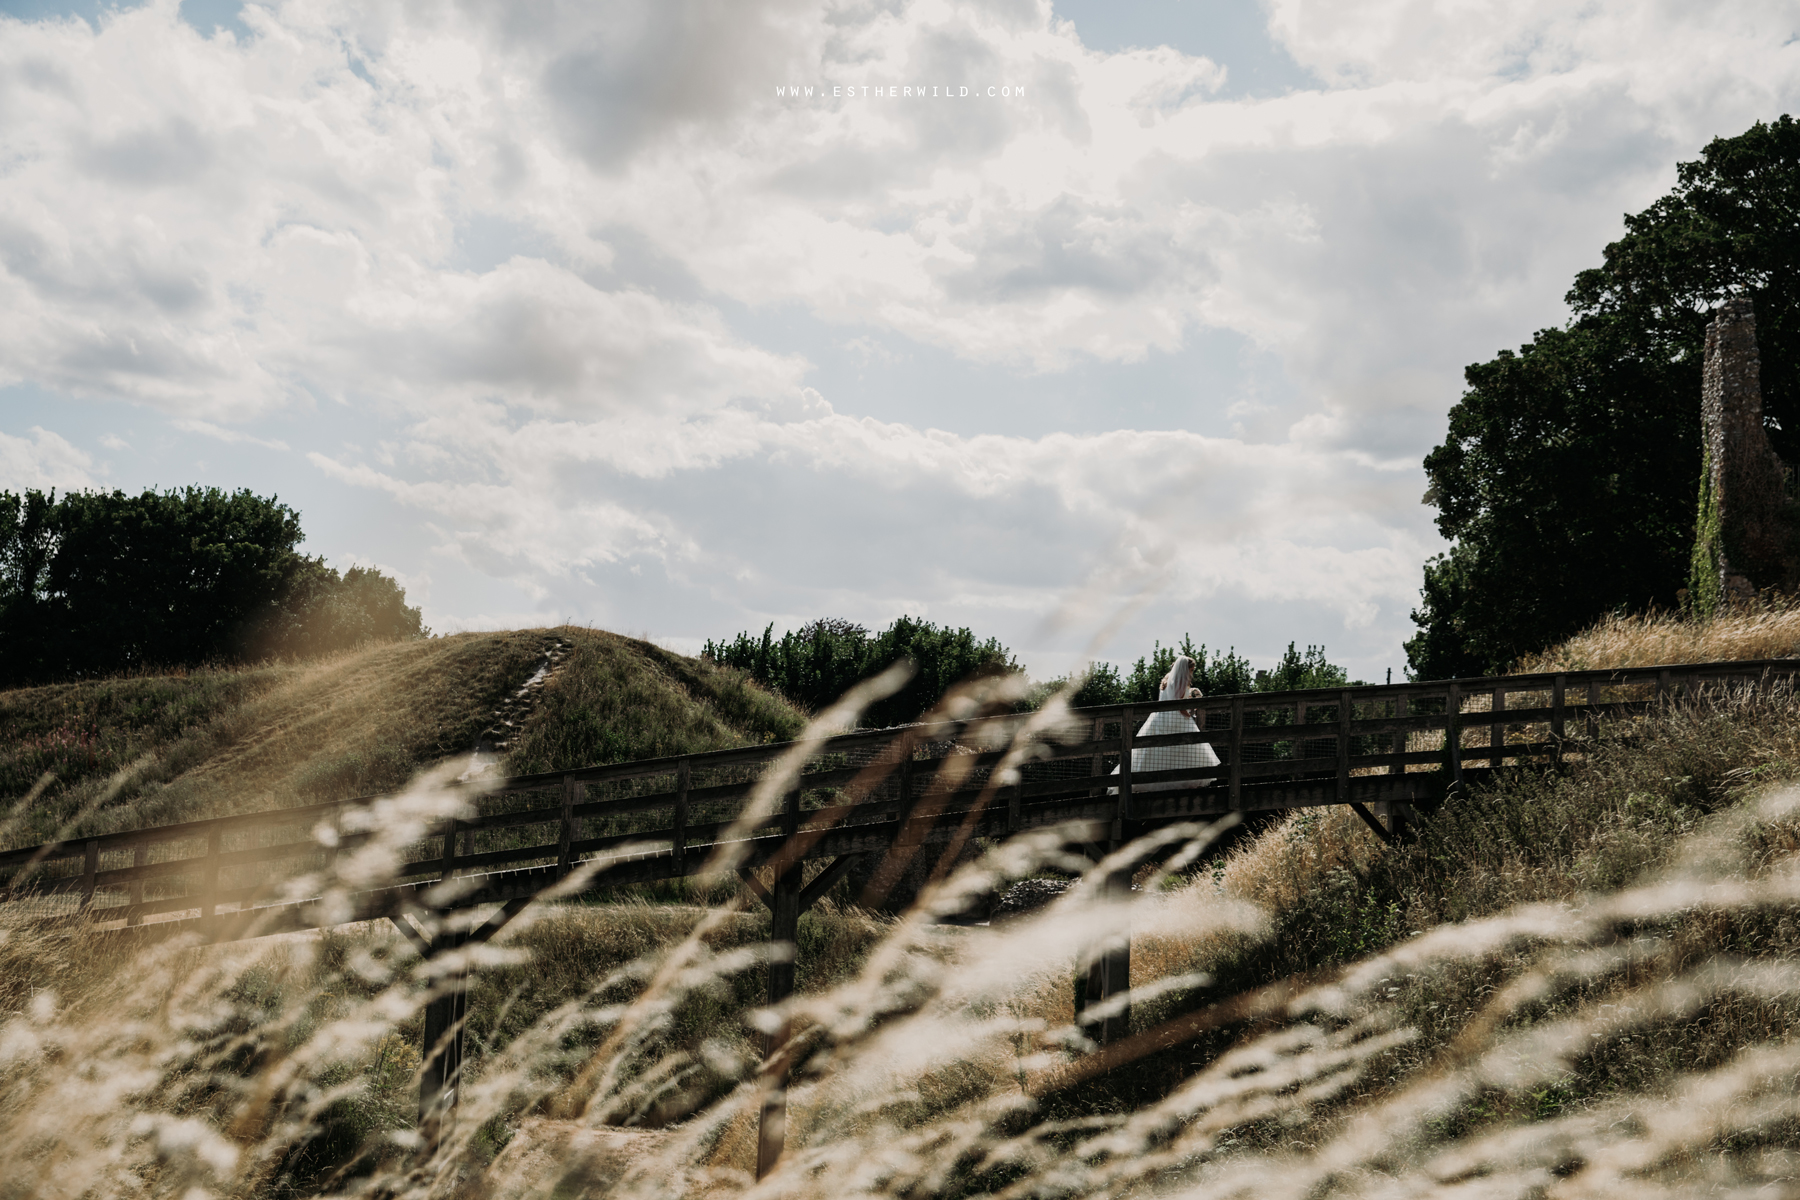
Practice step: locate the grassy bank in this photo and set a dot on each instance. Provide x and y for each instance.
(1770, 630)
(148, 750)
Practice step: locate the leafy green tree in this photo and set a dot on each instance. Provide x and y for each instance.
(1300, 671)
(1215, 674)
(1566, 481)
(322, 611)
(815, 664)
(99, 582)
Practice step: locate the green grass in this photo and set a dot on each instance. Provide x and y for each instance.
(619, 700)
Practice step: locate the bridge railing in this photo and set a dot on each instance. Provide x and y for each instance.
(864, 790)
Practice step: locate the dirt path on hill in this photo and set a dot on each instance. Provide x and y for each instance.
(508, 722)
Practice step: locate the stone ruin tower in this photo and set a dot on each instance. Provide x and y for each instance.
(1744, 538)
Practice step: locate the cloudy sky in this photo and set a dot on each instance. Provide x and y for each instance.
(564, 311)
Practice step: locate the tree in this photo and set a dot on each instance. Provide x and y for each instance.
(815, 664)
(99, 582)
(322, 612)
(1567, 478)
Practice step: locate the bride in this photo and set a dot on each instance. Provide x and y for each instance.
(1176, 685)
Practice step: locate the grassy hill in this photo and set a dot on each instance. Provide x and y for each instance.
(148, 750)
(1575, 983)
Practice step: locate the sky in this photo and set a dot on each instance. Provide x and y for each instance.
(1084, 325)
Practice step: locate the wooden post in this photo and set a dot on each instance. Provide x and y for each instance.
(1098, 767)
(440, 1076)
(1497, 729)
(1453, 732)
(448, 862)
(784, 929)
(1593, 713)
(140, 854)
(90, 863)
(1127, 731)
(210, 874)
(1343, 748)
(1558, 714)
(1108, 971)
(1398, 767)
(1398, 812)
(684, 775)
(337, 828)
(1236, 798)
(565, 857)
(904, 835)
(1662, 686)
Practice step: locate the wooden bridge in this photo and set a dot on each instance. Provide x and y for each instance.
(876, 797)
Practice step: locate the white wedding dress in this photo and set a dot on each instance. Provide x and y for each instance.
(1171, 758)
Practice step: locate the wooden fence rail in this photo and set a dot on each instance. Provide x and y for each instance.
(663, 818)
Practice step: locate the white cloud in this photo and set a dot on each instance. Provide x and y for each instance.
(235, 231)
(216, 432)
(43, 461)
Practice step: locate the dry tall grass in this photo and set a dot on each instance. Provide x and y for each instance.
(1575, 984)
(1655, 639)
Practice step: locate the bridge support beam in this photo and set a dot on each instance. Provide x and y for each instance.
(1106, 973)
(440, 1078)
(786, 901)
(784, 930)
(442, 1048)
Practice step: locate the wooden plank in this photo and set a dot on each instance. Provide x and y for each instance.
(679, 817)
(1127, 728)
(1097, 760)
(447, 863)
(824, 880)
(876, 836)
(1453, 733)
(1558, 713)
(908, 801)
(411, 935)
(756, 886)
(1343, 745)
(1497, 729)
(1370, 820)
(303, 816)
(139, 872)
(572, 787)
(440, 1072)
(526, 881)
(1237, 754)
(140, 854)
(211, 874)
(90, 864)
(1396, 763)
(784, 924)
